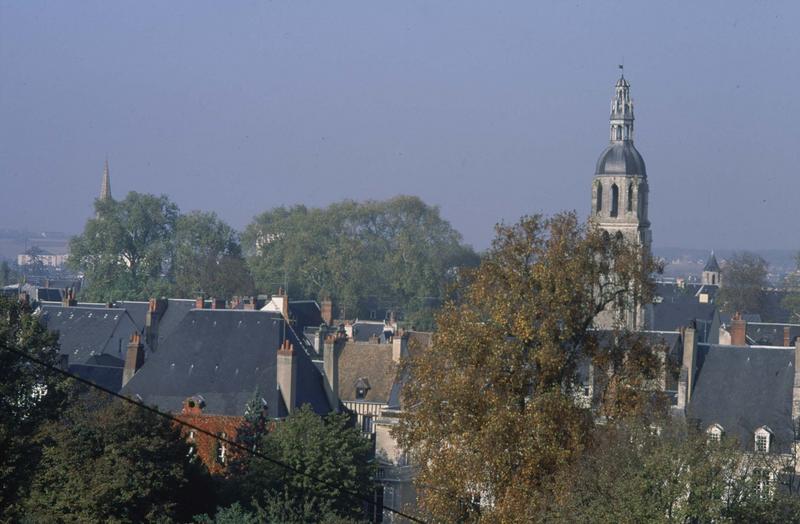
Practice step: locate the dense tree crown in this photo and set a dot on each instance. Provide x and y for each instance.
(744, 280)
(29, 397)
(142, 247)
(395, 254)
(495, 414)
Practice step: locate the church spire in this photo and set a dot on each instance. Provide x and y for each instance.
(105, 188)
(622, 111)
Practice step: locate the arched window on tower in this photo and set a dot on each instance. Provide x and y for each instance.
(614, 200)
(630, 198)
(599, 202)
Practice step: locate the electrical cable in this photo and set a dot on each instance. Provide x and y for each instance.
(176, 420)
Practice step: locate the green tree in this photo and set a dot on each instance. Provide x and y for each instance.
(791, 302)
(29, 397)
(111, 461)
(208, 258)
(495, 414)
(330, 458)
(7, 276)
(744, 279)
(395, 254)
(126, 250)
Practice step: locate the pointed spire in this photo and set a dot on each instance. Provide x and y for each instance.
(105, 188)
(712, 264)
(622, 111)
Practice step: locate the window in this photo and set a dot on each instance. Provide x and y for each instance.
(715, 433)
(361, 393)
(763, 439)
(599, 202)
(366, 424)
(222, 449)
(761, 481)
(361, 387)
(614, 200)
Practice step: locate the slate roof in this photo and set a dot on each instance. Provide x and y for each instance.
(677, 307)
(225, 356)
(744, 388)
(363, 331)
(305, 313)
(712, 264)
(92, 337)
(373, 362)
(769, 334)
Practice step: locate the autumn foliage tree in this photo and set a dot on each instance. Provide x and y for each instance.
(493, 411)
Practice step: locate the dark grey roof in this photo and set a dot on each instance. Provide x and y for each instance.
(177, 309)
(742, 389)
(766, 334)
(90, 337)
(712, 264)
(305, 313)
(677, 307)
(225, 356)
(364, 331)
(621, 158)
(136, 309)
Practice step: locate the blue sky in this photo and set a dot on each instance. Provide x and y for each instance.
(489, 110)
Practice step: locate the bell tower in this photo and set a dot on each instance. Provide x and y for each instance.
(619, 188)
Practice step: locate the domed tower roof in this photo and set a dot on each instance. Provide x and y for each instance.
(621, 156)
(621, 159)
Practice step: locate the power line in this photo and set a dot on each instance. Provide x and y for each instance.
(176, 420)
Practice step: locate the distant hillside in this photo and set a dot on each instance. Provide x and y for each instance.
(14, 241)
(689, 262)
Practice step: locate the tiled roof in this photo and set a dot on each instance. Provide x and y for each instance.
(373, 362)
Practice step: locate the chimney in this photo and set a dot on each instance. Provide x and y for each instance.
(686, 380)
(787, 336)
(193, 405)
(24, 300)
(200, 302)
(217, 303)
(134, 358)
(738, 330)
(287, 375)
(326, 310)
(251, 303)
(330, 357)
(796, 388)
(281, 301)
(399, 346)
(155, 310)
(68, 299)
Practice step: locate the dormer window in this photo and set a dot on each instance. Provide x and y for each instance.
(763, 439)
(362, 388)
(715, 433)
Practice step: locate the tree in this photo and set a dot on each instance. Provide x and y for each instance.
(396, 254)
(111, 461)
(330, 459)
(208, 258)
(7, 276)
(127, 248)
(29, 397)
(791, 302)
(744, 279)
(495, 414)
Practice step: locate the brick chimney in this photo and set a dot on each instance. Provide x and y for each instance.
(686, 380)
(787, 336)
(287, 375)
(399, 346)
(200, 302)
(134, 358)
(326, 310)
(330, 357)
(281, 301)
(193, 405)
(155, 310)
(738, 330)
(251, 303)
